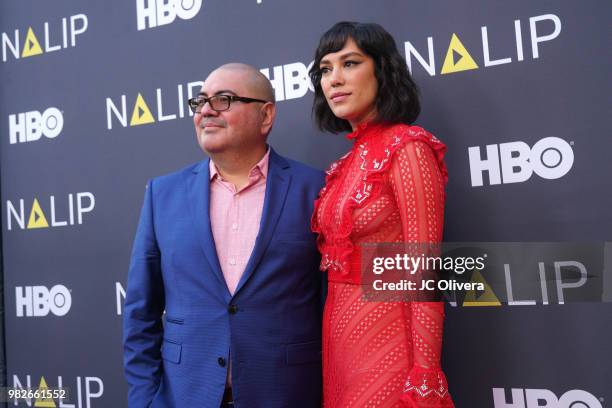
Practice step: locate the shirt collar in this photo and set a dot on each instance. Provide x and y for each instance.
(261, 167)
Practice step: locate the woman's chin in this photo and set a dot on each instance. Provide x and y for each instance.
(341, 113)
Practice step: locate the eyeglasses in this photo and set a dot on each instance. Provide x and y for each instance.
(218, 103)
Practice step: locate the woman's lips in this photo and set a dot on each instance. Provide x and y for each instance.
(339, 96)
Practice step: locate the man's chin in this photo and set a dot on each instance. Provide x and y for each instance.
(209, 144)
(212, 148)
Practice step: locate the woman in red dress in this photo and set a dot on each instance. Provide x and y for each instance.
(388, 188)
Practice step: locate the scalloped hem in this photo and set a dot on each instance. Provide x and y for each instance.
(413, 400)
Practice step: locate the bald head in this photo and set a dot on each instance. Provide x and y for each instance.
(254, 80)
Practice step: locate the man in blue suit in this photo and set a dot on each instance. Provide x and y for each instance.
(223, 300)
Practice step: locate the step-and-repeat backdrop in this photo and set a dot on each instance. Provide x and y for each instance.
(93, 104)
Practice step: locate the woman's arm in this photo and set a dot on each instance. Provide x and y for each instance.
(418, 187)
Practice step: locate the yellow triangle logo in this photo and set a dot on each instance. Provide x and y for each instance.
(31, 46)
(457, 58)
(37, 217)
(141, 114)
(486, 298)
(44, 402)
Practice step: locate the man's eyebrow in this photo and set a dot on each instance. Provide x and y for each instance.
(344, 56)
(221, 92)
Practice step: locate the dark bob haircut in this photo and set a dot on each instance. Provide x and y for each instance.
(397, 100)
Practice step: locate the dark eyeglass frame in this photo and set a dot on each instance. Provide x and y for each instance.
(196, 102)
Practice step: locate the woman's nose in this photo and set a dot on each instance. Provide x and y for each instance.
(336, 77)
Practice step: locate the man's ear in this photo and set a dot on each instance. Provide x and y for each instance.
(268, 113)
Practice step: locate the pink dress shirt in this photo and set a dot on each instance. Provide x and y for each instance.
(234, 220)
(235, 217)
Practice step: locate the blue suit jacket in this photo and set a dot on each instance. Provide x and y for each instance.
(272, 324)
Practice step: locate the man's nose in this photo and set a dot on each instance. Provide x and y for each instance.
(206, 110)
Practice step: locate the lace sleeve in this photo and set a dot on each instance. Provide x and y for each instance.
(418, 188)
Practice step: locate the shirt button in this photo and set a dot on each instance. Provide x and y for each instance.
(234, 226)
(232, 309)
(221, 361)
(232, 261)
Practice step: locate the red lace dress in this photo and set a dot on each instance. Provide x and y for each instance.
(388, 188)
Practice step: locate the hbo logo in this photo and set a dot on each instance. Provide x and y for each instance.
(153, 13)
(39, 301)
(30, 126)
(529, 398)
(550, 158)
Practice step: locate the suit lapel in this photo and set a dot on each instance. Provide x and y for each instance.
(199, 201)
(277, 185)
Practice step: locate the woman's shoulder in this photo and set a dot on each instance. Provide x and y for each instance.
(407, 133)
(405, 137)
(385, 140)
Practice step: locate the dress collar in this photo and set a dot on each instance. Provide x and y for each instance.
(365, 129)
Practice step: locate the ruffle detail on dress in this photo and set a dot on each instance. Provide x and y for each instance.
(426, 388)
(375, 145)
(333, 250)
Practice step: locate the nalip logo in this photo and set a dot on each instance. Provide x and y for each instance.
(459, 59)
(74, 206)
(83, 391)
(54, 38)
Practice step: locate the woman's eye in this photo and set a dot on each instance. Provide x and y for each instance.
(350, 63)
(324, 70)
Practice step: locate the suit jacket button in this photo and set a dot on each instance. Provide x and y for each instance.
(232, 309)
(221, 361)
